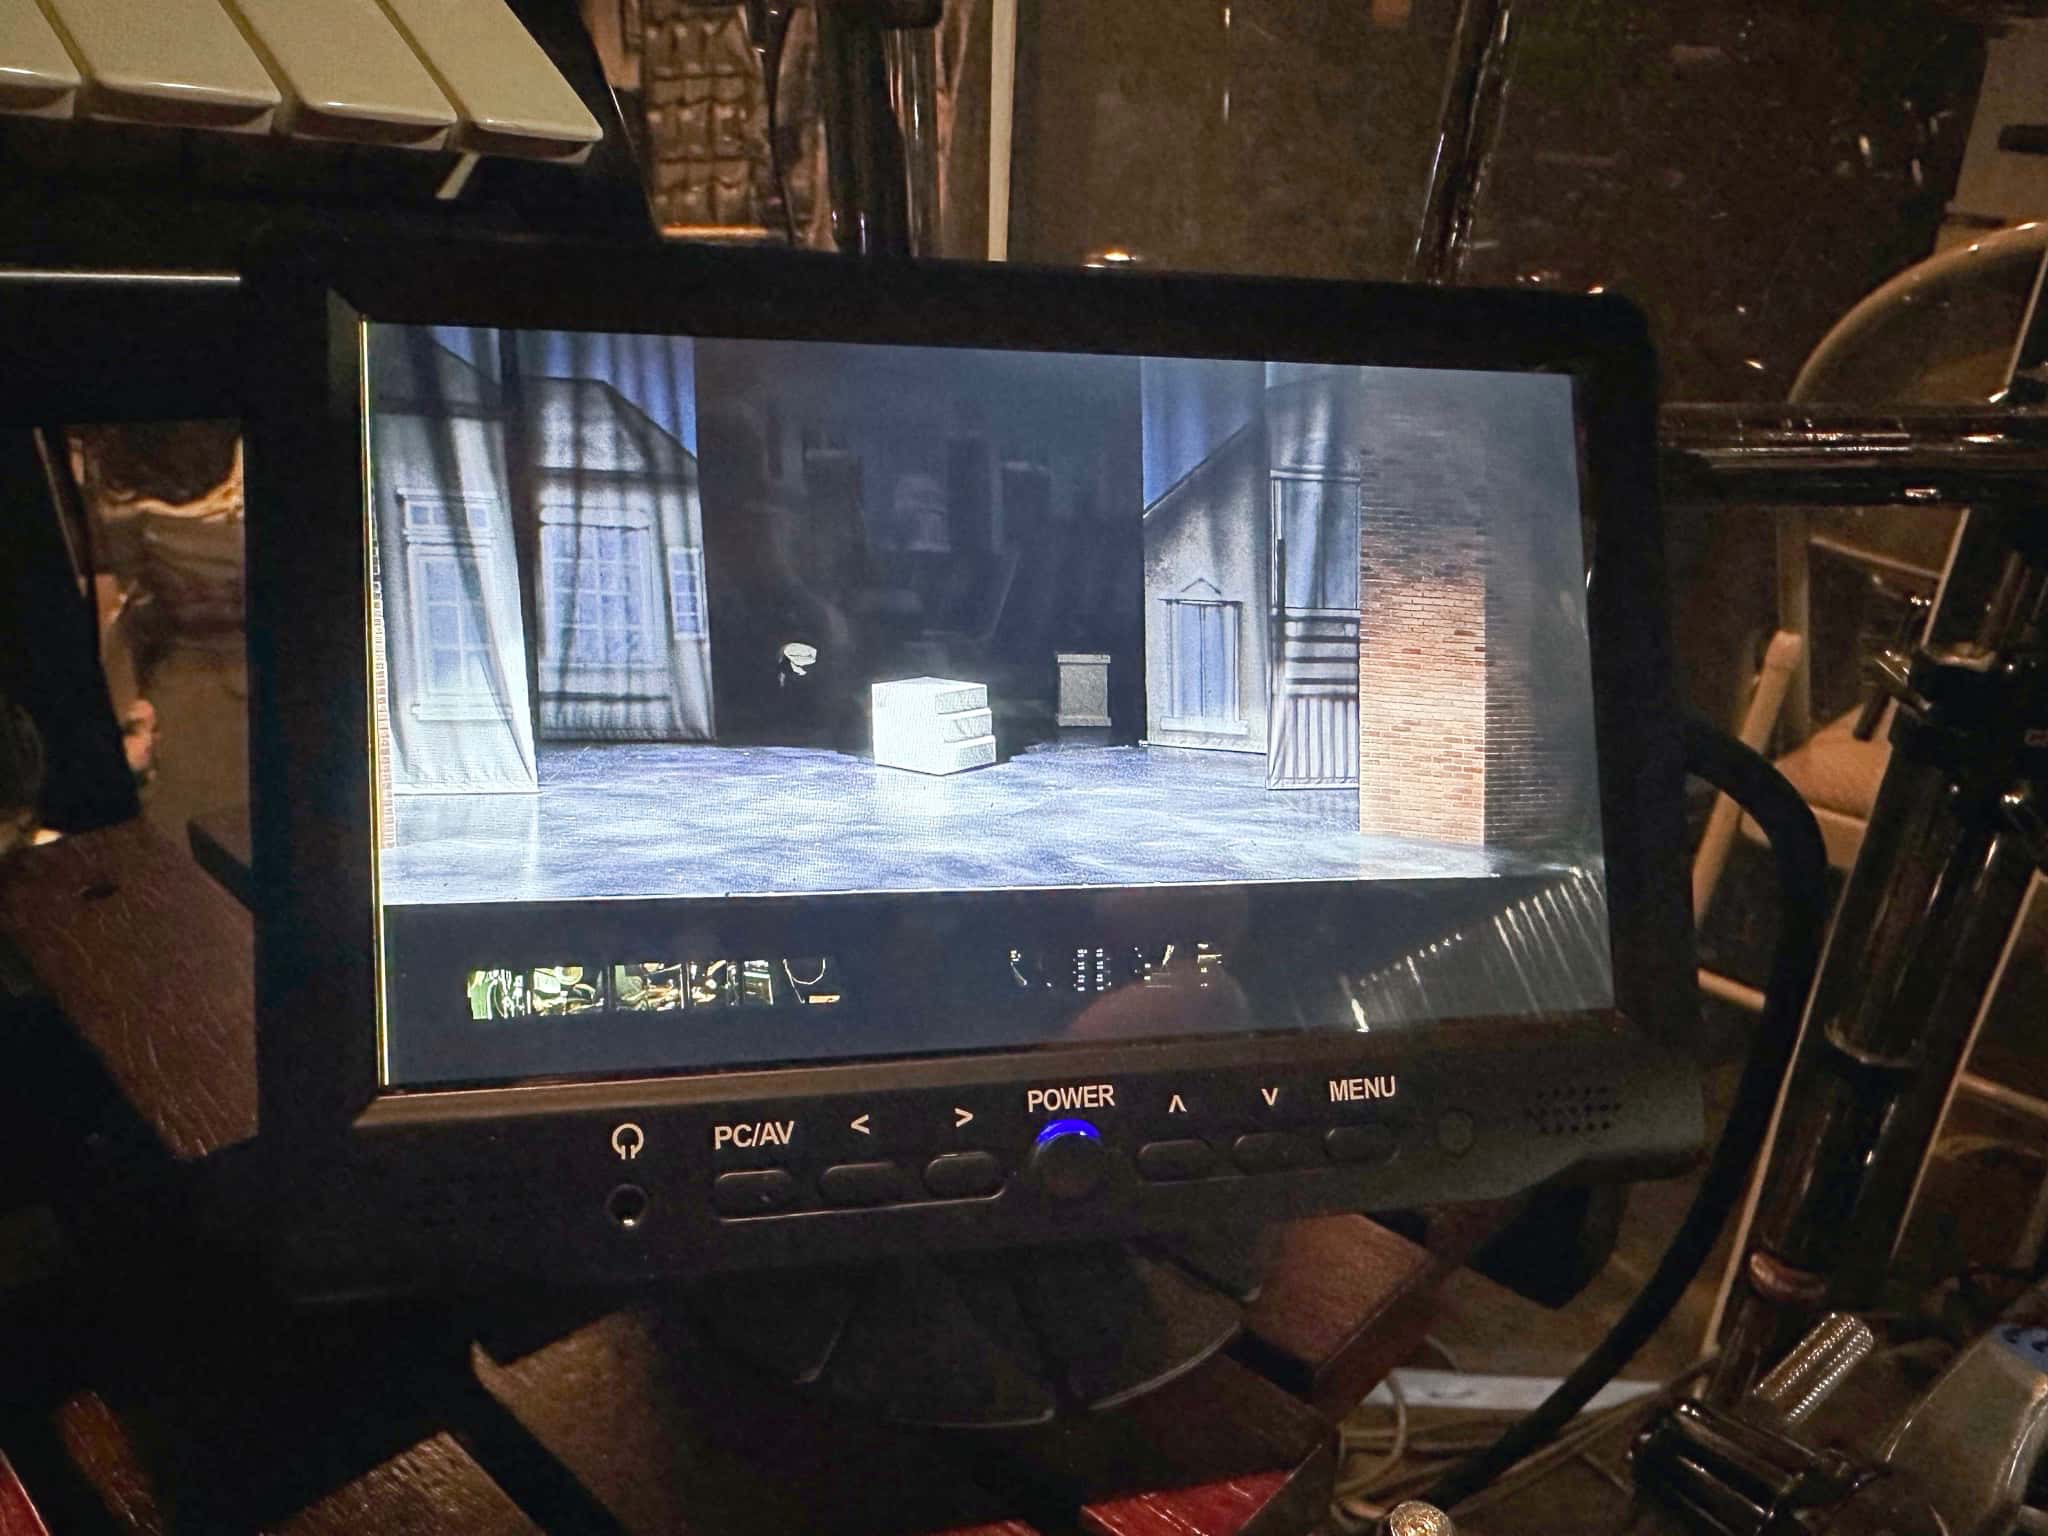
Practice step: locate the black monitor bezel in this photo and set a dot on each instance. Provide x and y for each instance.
(311, 791)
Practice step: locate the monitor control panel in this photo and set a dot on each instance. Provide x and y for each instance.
(619, 1182)
(661, 1184)
(1058, 1141)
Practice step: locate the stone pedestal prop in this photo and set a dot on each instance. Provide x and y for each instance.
(1084, 688)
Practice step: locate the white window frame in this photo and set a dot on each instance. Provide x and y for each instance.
(690, 558)
(468, 542)
(558, 668)
(1204, 596)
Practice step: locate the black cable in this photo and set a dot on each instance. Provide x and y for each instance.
(770, 47)
(1746, 778)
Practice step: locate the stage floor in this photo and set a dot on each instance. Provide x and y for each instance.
(666, 820)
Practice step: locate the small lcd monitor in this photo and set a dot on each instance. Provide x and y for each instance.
(865, 758)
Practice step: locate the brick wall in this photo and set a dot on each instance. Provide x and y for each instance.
(1526, 783)
(1459, 738)
(1422, 670)
(1475, 709)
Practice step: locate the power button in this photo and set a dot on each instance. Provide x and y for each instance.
(1069, 1161)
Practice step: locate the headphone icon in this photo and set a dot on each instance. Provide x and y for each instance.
(627, 1141)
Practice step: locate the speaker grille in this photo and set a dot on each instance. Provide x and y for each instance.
(1581, 1109)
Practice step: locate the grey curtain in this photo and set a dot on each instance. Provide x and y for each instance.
(453, 711)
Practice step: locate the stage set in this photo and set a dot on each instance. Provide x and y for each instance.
(671, 617)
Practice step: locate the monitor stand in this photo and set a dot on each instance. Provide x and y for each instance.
(995, 1340)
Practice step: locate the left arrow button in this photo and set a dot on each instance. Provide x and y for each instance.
(860, 1123)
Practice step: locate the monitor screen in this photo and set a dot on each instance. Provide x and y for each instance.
(740, 702)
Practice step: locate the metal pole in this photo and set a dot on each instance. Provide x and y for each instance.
(1952, 844)
(1774, 456)
(880, 133)
(1468, 122)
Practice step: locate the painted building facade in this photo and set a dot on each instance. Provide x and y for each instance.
(1374, 577)
(1251, 574)
(621, 627)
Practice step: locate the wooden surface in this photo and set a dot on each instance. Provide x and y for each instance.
(429, 1490)
(1341, 1307)
(220, 843)
(18, 1515)
(1226, 1506)
(154, 964)
(160, 1395)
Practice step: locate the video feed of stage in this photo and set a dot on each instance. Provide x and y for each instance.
(667, 621)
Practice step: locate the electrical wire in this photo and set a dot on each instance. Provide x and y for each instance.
(1600, 1469)
(768, 51)
(1356, 1507)
(1359, 1482)
(1788, 824)
(1622, 1420)
(1444, 1352)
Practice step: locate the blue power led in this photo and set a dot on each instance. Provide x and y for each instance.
(1068, 1128)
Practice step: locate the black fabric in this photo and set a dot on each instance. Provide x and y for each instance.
(49, 653)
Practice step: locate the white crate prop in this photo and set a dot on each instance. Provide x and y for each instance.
(933, 725)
